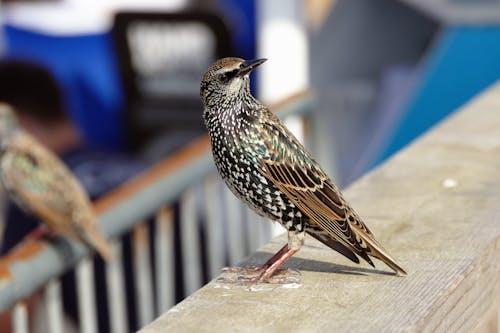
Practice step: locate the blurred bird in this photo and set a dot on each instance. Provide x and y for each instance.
(266, 167)
(38, 182)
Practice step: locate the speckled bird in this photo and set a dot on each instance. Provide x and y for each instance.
(38, 182)
(266, 167)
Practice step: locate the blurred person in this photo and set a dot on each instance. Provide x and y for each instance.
(39, 104)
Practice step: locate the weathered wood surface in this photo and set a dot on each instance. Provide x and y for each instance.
(435, 206)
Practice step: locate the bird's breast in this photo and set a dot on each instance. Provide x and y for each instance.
(237, 154)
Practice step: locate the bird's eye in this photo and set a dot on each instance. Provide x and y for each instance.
(229, 75)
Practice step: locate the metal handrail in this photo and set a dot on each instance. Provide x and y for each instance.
(30, 265)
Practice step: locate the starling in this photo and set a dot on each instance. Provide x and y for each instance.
(266, 167)
(39, 183)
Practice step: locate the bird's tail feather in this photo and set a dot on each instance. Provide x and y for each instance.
(94, 240)
(337, 246)
(376, 250)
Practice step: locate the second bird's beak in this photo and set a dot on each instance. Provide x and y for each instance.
(249, 65)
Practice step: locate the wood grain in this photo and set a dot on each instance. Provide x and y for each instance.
(435, 206)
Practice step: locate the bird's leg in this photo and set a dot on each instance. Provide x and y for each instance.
(270, 272)
(271, 267)
(39, 232)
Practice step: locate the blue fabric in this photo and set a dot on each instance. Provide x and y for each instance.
(85, 67)
(464, 61)
(100, 171)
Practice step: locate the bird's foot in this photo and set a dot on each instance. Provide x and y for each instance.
(42, 231)
(281, 276)
(252, 275)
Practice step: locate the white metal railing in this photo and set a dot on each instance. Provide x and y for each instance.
(215, 230)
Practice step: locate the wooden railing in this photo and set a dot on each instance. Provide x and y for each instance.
(435, 206)
(188, 178)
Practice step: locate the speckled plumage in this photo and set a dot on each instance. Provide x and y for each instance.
(40, 183)
(265, 166)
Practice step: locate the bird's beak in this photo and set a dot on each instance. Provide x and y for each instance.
(249, 65)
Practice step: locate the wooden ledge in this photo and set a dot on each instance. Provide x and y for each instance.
(435, 206)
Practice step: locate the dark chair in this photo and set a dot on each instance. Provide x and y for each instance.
(161, 58)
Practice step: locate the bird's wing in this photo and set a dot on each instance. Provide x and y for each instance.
(41, 183)
(290, 167)
(316, 196)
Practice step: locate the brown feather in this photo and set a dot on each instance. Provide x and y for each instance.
(324, 205)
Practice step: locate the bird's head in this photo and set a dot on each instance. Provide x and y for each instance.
(8, 124)
(227, 78)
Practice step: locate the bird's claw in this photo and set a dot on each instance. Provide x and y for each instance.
(256, 275)
(243, 269)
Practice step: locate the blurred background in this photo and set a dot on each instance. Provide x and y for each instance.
(126, 74)
(382, 72)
